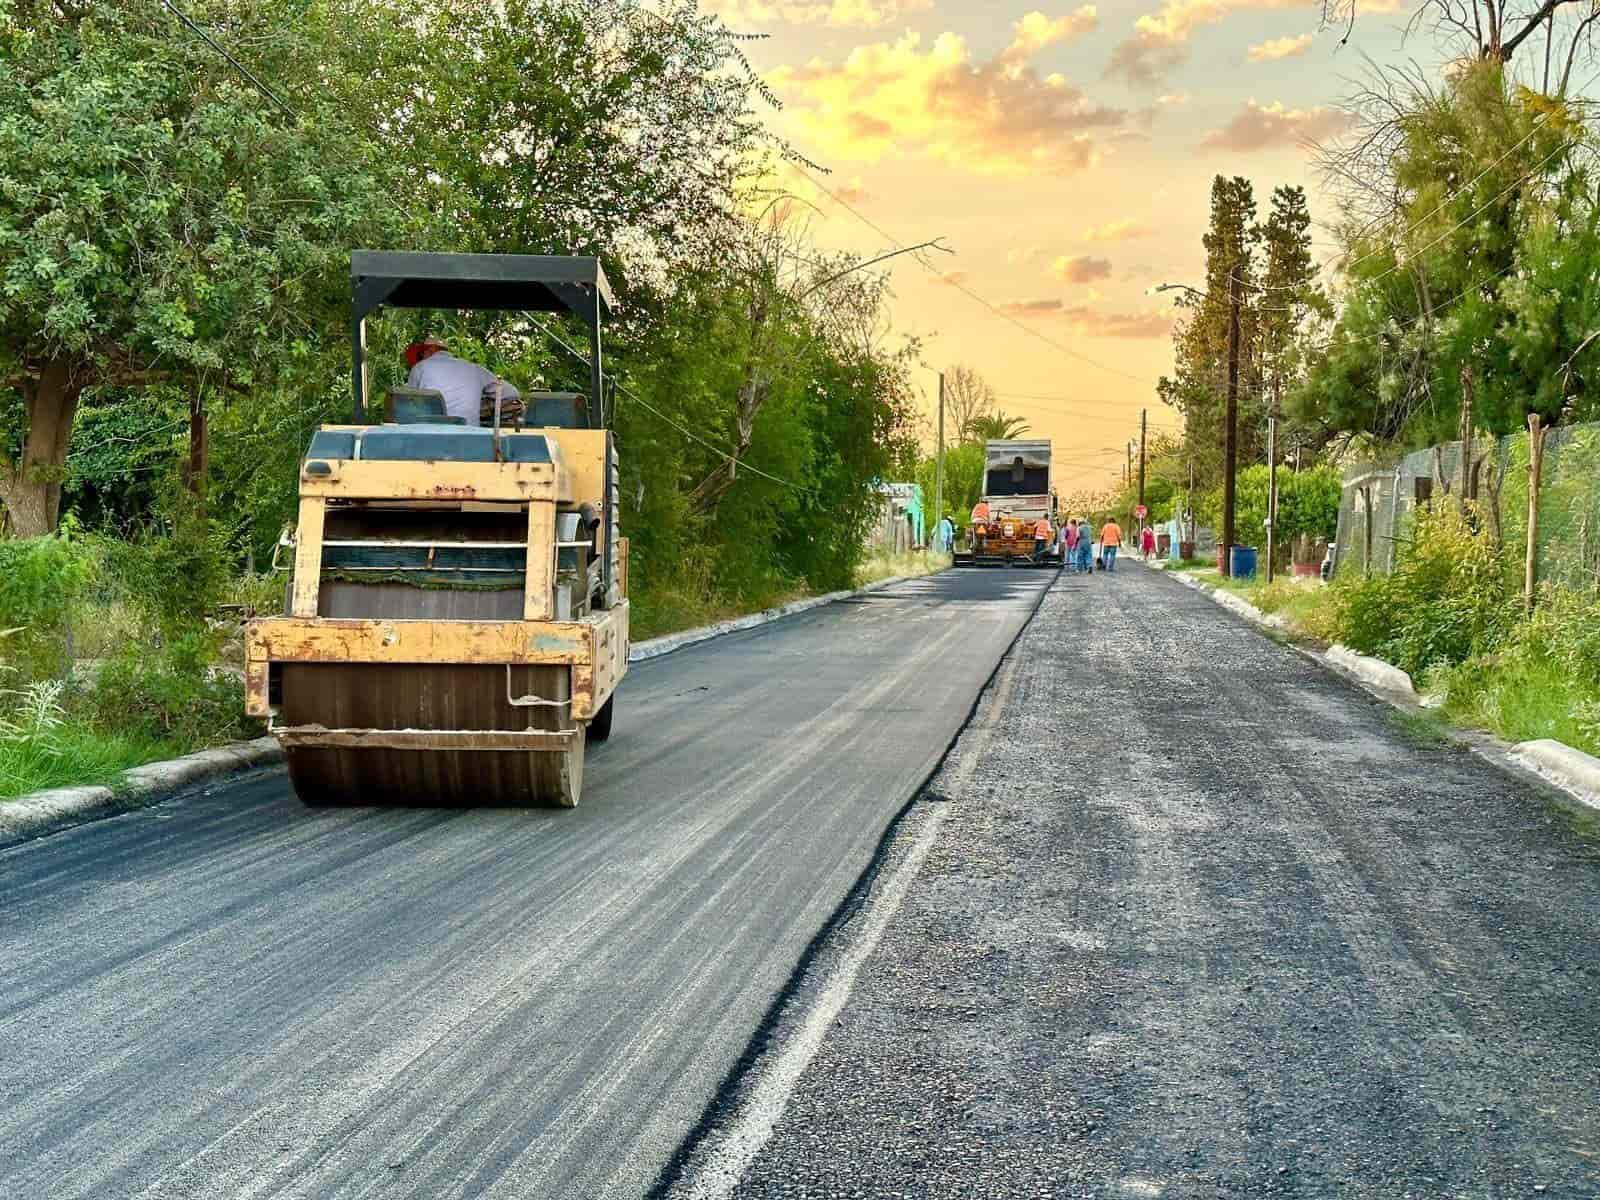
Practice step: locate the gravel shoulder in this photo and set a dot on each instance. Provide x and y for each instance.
(1205, 920)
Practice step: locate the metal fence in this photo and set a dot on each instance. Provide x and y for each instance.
(1380, 499)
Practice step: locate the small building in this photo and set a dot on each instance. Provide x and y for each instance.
(900, 524)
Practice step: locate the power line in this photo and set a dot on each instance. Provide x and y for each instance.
(960, 286)
(648, 407)
(236, 64)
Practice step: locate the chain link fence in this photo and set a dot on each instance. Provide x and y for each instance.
(1379, 499)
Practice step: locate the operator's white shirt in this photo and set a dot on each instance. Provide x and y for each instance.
(462, 383)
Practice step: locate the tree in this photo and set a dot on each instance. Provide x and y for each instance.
(1558, 33)
(996, 427)
(1198, 383)
(967, 397)
(1482, 258)
(161, 219)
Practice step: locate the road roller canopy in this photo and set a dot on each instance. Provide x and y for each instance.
(493, 282)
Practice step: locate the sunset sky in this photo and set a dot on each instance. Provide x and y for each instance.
(1065, 152)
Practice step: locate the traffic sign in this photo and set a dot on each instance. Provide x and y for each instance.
(1141, 512)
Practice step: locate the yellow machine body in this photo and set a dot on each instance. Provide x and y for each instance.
(389, 686)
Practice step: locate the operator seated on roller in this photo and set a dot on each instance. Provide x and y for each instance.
(463, 384)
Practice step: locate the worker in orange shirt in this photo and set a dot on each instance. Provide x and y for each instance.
(1042, 533)
(1110, 540)
(980, 511)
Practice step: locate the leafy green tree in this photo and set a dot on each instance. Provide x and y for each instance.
(162, 220)
(1198, 385)
(1483, 269)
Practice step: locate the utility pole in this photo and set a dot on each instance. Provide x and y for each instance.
(1272, 486)
(1535, 469)
(1191, 505)
(1466, 438)
(938, 465)
(1144, 414)
(1230, 445)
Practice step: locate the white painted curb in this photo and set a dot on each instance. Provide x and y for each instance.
(1374, 672)
(656, 647)
(39, 811)
(1568, 768)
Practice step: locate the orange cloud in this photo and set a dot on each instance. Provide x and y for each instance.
(1284, 47)
(1117, 231)
(839, 14)
(950, 278)
(996, 116)
(1263, 126)
(1080, 268)
(1091, 322)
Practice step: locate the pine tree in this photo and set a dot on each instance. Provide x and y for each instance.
(1197, 387)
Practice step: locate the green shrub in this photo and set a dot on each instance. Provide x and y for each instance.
(170, 693)
(42, 580)
(172, 579)
(1448, 598)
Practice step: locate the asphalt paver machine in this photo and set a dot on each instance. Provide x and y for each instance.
(457, 617)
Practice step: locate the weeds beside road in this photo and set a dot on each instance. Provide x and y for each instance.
(1451, 616)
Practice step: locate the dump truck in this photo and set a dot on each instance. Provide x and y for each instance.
(1017, 496)
(457, 616)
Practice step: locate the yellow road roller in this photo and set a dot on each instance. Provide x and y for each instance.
(457, 614)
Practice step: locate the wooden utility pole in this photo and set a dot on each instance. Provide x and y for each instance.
(938, 465)
(1272, 487)
(1535, 468)
(1191, 505)
(1144, 414)
(1466, 438)
(1230, 444)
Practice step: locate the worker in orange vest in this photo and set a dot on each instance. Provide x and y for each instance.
(1041, 536)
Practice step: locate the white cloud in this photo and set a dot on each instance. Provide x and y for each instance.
(1160, 40)
(1284, 47)
(1035, 31)
(1263, 126)
(992, 117)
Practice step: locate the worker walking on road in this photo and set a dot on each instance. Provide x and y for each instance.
(1147, 543)
(1085, 548)
(1110, 541)
(1069, 544)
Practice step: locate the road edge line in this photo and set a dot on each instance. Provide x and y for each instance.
(737, 1089)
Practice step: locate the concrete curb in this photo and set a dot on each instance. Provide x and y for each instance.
(656, 647)
(40, 812)
(55, 808)
(1569, 769)
(1374, 672)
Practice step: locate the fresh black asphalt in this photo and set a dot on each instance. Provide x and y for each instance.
(1205, 921)
(229, 995)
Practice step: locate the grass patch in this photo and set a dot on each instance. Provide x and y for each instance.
(1427, 729)
(74, 757)
(889, 565)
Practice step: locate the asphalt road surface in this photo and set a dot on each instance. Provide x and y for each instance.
(1204, 921)
(229, 995)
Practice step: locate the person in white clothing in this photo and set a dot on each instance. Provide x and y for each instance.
(462, 383)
